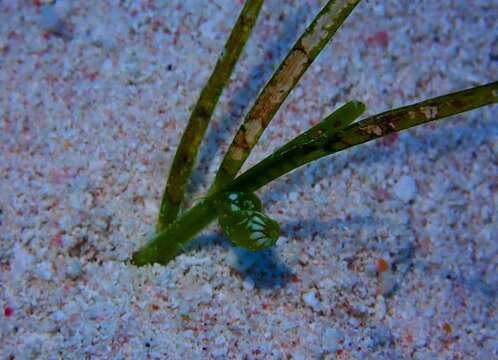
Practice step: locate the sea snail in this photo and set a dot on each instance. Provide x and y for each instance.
(243, 222)
(237, 201)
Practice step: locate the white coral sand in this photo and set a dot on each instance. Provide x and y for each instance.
(388, 250)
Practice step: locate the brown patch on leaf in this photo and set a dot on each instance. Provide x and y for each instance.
(288, 75)
(430, 112)
(372, 130)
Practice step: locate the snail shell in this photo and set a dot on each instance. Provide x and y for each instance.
(250, 229)
(237, 201)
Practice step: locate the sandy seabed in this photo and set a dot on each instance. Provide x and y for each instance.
(388, 250)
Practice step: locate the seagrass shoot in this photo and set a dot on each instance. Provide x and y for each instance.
(231, 200)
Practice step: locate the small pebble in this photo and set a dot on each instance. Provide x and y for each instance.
(293, 196)
(405, 188)
(151, 207)
(73, 269)
(331, 339)
(59, 316)
(189, 334)
(387, 282)
(22, 261)
(311, 300)
(51, 22)
(107, 68)
(248, 284)
(44, 270)
(380, 307)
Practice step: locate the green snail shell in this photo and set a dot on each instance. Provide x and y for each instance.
(237, 201)
(250, 229)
